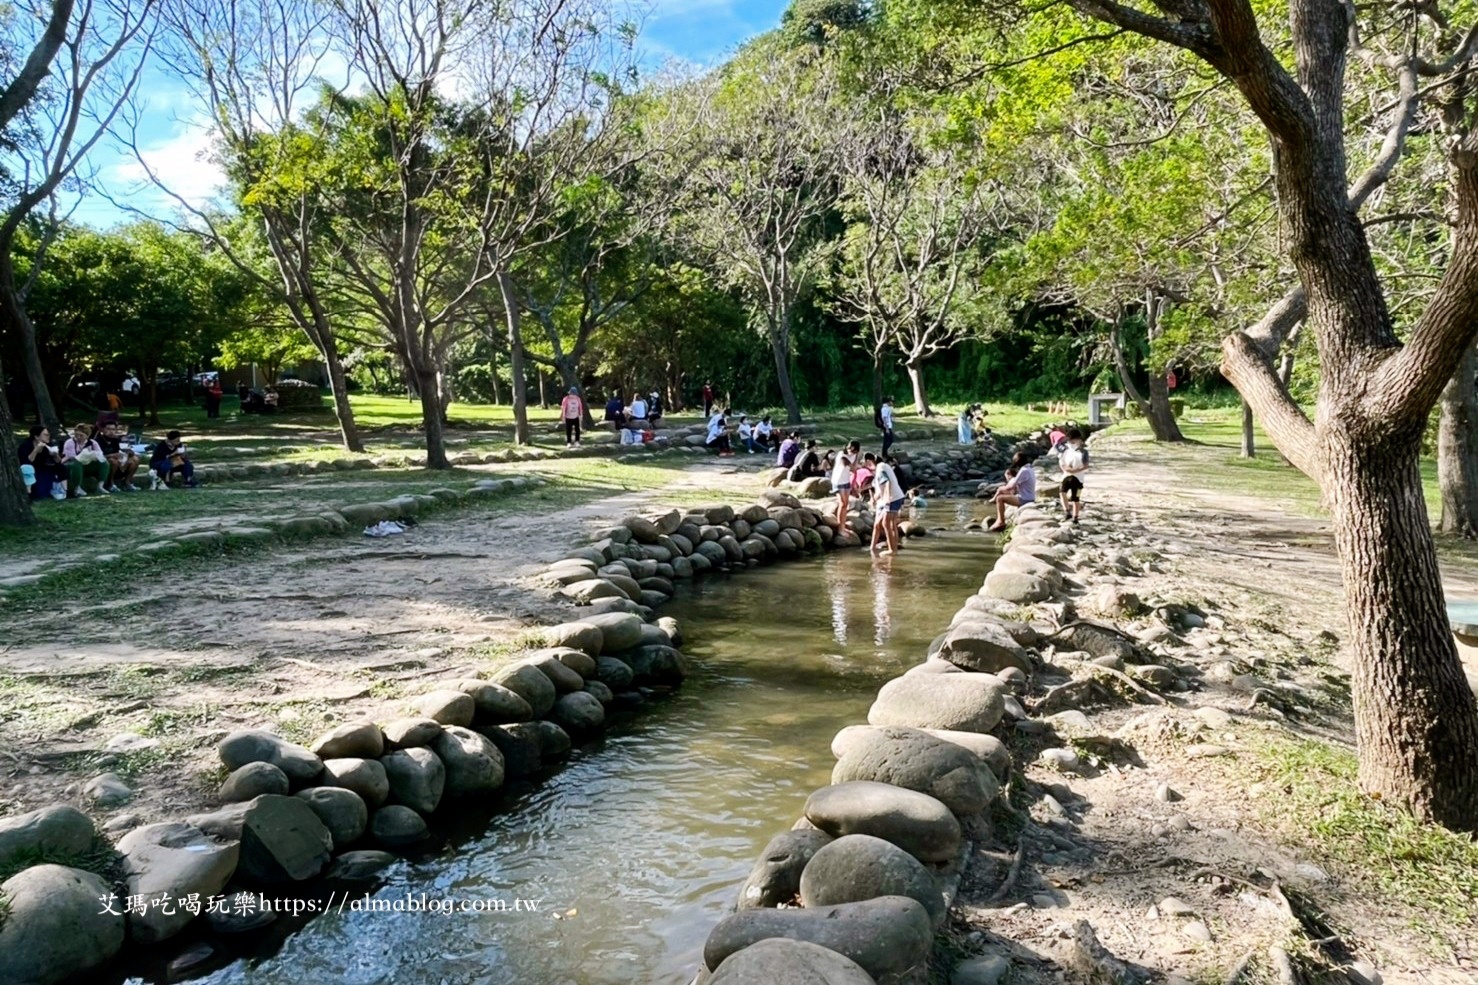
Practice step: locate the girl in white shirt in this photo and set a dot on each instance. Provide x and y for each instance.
(841, 479)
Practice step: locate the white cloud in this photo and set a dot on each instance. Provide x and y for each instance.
(180, 162)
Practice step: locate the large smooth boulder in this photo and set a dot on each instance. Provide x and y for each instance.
(619, 630)
(51, 831)
(563, 678)
(520, 743)
(784, 962)
(960, 702)
(989, 748)
(554, 742)
(473, 764)
(282, 839)
(171, 861)
(253, 780)
(579, 713)
(365, 777)
(396, 826)
(579, 635)
(256, 746)
(56, 928)
(447, 705)
(363, 740)
(614, 673)
(1012, 586)
(889, 937)
(916, 822)
(656, 665)
(644, 531)
(493, 703)
(579, 661)
(529, 683)
(406, 733)
(916, 760)
(861, 867)
(417, 778)
(982, 644)
(776, 875)
(589, 590)
(1021, 562)
(342, 811)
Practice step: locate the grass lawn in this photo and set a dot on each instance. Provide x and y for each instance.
(111, 524)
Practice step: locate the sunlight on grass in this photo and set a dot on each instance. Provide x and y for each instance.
(1315, 801)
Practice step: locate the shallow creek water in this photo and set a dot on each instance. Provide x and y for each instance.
(637, 846)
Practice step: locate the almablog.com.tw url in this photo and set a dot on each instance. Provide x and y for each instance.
(244, 904)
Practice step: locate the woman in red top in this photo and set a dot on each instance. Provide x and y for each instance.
(572, 409)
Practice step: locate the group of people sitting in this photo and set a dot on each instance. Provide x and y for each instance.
(633, 420)
(755, 438)
(99, 455)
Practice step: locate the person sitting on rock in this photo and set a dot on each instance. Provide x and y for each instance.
(616, 410)
(170, 456)
(83, 459)
(746, 433)
(718, 437)
(1019, 490)
(41, 466)
(789, 449)
(807, 464)
(764, 433)
(123, 462)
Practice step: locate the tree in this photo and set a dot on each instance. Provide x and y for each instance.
(1416, 719)
(30, 95)
(1457, 450)
(86, 61)
(251, 62)
(755, 176)
(914, 252)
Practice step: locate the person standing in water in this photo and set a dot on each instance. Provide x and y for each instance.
(841, 479)
(888, 498)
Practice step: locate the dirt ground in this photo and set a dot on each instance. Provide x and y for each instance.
(1168, 838)
(305, 637)
(299, 639)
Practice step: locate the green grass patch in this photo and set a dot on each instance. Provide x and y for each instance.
(1317, 802)
(100, 859)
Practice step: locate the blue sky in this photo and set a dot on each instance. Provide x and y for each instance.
(173, 140)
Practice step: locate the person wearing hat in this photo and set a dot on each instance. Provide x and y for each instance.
(571, 410)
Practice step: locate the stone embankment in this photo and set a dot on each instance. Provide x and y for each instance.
(856, 891)
(340, 807)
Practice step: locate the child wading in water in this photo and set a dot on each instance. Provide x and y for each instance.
(1020, 489)
(1074, 461)
(841, 479)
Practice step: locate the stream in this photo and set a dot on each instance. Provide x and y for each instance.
(636, 846)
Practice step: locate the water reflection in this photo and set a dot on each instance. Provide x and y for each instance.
(646, 836)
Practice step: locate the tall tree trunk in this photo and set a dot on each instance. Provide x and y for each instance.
(1457, 450)
(877, 379)
(13, 316)
(153, 398)
(431, 420)
(1249, 443)
(780, 345)
(15, 506)
(497, 387)
(444, 396)
(1415, 719)
(515, 359)
(1162, 418)
(920, 396)
(543, 390)
(343, 412)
